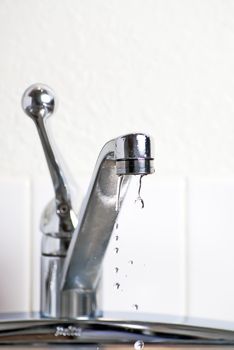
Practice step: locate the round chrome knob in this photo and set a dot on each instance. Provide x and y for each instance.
(38, 101)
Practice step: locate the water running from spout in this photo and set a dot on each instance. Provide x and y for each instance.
(139, 198)
(118, 193)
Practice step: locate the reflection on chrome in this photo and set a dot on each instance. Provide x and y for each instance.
(22, 329)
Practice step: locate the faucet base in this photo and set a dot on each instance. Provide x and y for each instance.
(79, 304)
(57, 303)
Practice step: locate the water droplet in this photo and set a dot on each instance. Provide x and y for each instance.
(116, 269)
(136, 306)
(117, 285)
(116, 226)
(139, 199)
(116, 238)
(131, 262)
(116, 250)
(118, 192)
(139, 345)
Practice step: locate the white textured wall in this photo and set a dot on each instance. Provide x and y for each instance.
(163, 67)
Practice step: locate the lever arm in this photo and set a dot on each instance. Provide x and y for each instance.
(39, 103)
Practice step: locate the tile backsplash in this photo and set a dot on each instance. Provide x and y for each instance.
(175, 256)
(210, 254)
(151, 250)
(15, 246)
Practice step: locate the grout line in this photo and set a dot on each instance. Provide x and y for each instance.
(183, 249)
(31, 241)
(186, 249)
(25, 184)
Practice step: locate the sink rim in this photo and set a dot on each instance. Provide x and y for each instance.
(31, 328)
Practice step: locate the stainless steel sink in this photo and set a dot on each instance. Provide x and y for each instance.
(23, 330)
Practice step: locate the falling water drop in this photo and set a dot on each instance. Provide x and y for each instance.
(140, 202)
(116, 250)
(139, 345)
(118, 192)
(139, 199)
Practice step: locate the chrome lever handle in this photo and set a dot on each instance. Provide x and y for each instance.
(39, 103)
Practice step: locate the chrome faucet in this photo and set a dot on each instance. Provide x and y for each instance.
(73, 251)
(73, 246)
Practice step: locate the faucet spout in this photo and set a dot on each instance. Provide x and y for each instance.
(124, 156)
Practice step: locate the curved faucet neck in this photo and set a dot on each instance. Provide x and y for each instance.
(100, 199)
(98, 214)
(77, 273)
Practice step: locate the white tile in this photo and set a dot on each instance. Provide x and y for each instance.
(15, 245)
(153, 238)
(42, 193)
(211, 249)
